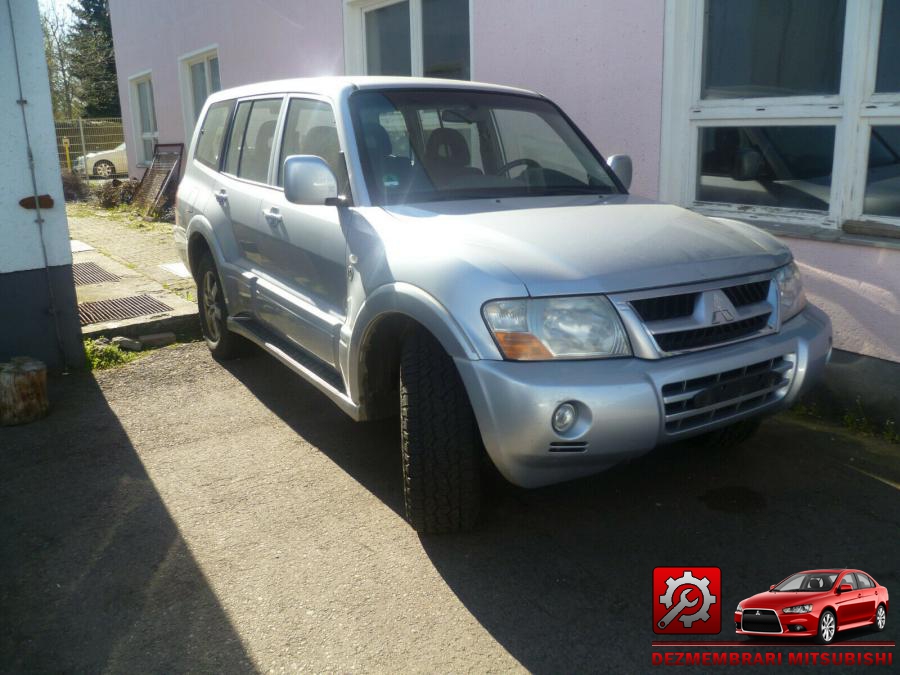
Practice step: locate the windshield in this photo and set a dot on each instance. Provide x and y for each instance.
(808, 581)
(428, 145)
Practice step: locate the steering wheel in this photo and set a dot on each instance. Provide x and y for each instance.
(524, 161)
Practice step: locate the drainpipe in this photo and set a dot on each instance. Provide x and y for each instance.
(39, 220)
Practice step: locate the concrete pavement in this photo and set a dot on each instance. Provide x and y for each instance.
(176, 514)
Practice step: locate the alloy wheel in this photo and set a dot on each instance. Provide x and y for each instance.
(211, 309)
(104, 169)
(828, 627)
(881, 617)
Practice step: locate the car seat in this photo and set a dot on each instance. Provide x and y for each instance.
(447, 155)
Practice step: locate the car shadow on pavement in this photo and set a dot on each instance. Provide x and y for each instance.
(368, 451)
(561, 576)
(94, 574)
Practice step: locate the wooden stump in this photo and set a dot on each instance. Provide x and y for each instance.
(23, 391)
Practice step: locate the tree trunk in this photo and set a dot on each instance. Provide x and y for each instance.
(23, 391)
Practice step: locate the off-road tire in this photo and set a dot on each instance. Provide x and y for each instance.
(730, 436)
(821, 637)
(440, 442)
(222, 342)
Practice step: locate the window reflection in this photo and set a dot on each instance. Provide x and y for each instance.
(883, 177)
(785, 166)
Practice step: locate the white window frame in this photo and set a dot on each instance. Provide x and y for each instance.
(355, 35)
(137, 131)
(185, 61)
(852, 111)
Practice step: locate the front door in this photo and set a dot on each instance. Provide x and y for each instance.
(306, 245)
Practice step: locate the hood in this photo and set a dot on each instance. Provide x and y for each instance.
(572, 245)
(780, 600)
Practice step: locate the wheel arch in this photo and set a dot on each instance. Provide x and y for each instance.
(376, 340)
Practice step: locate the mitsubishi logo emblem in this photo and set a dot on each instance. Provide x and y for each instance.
(722, 311)
(757, 612)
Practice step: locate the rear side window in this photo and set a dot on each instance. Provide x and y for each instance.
(864, 581)
(310, 130)
(252, 136)
(212, 134)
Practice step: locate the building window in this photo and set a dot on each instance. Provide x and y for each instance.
(144, 113)
(199, 79)
(427, 38)
(786, 111)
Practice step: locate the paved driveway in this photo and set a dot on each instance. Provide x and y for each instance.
(176, 515)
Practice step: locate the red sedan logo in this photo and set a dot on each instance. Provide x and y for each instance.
(815, 603)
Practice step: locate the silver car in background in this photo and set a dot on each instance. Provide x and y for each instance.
(460, 254)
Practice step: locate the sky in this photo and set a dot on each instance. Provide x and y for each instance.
(62, 6)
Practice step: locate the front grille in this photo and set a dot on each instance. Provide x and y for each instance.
(708, 336)
(760, 621)
(703, 400)
(747, 294)
(665, 307)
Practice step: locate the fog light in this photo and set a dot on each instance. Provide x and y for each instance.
(564, 418)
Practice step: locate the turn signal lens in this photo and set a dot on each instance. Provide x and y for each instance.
(522, 346)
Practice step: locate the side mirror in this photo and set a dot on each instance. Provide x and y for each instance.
(748, 164)
(845, 588)
(308, 180)
(621, 166)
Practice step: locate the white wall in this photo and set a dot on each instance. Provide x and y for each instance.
(20, 246)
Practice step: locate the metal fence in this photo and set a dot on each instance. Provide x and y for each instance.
(75, 138)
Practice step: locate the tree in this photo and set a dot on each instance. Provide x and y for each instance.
(93, 60)
(58, 51)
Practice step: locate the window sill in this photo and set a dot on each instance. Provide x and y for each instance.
(829, 234)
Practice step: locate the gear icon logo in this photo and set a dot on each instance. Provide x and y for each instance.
(687, 600)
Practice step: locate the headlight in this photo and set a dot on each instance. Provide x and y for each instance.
(739, 609)
(538, 329)
(791, 297)
(797, 609)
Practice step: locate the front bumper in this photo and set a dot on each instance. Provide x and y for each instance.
(620, 401)
(792, 625)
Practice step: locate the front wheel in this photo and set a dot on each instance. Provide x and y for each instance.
(440, 442)
(827, 628)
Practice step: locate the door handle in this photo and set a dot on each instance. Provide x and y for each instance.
(273, 216)
(221, 196)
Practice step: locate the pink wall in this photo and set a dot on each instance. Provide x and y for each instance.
(859, 288)
(601, 60)
(257, 40)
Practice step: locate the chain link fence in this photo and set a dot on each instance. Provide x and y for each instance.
(77, 137)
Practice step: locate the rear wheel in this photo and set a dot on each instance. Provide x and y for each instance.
(213, 312)
(827, 628)
(440, 442)
(880, 618)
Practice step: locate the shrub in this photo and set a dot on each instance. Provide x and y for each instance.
(75, 188)
(116, 193)
(101, 354)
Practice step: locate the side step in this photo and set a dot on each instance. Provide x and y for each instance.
(320, 375)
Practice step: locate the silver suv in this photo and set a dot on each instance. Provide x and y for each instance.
(460, 254)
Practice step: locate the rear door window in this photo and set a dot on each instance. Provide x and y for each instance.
(212, 134)
(236, 140)
(252, 136)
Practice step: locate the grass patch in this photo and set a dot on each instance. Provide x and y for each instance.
(102, 355)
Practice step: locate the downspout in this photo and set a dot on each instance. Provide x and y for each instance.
(39, 220)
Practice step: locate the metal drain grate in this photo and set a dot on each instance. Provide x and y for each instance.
(119, 308)
(91, 273)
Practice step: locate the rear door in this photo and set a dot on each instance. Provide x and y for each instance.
(868, 597)
(307, 292)
(848, 602)
(244, 180)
